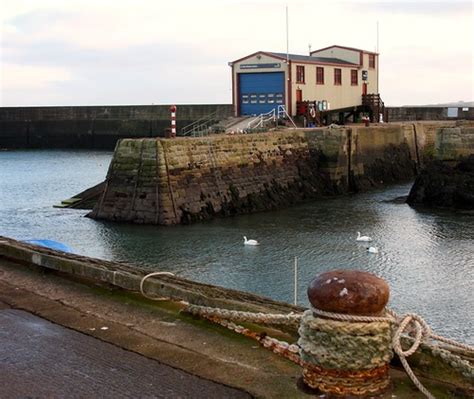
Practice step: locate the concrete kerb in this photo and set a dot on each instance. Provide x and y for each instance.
(128, 278)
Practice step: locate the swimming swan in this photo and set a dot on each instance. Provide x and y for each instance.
(362, 238)
(250, 242)
(373, 250)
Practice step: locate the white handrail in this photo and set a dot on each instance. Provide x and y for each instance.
(261, 119)
(282, 111)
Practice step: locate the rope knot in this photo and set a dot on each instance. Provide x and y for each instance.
(411, 323)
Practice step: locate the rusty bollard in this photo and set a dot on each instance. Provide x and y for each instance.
(345, 337)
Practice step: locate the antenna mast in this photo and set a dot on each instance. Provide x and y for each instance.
(377, 36)
(287, 41)
(377, 58)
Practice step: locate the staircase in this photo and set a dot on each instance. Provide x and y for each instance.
(374, 104)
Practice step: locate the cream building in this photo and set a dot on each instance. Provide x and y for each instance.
(337, 75)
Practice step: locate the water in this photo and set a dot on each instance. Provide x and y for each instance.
(427, 257)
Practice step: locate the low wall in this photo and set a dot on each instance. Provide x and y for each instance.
(400, 114)
(130, 277)
(94, 127)
(162, 181)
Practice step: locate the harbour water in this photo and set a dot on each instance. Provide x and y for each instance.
(426, 256)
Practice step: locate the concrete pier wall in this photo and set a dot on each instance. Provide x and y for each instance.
(161, 181)
(93, 127)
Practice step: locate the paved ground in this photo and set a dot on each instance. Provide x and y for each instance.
(155, 331)
(43, 360)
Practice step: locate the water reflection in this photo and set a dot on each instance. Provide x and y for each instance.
(426, 256)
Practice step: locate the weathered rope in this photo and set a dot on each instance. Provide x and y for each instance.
(376, 333)
(241, 316)
(342, 345)
(289, 351)
(413, 324)
(349, 358)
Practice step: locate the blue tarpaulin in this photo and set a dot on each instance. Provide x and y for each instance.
(50, 244)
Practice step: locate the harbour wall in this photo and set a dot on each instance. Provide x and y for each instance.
(94, 127)
(401, 114)
(454, 143)
(99, 127)
(160, 181)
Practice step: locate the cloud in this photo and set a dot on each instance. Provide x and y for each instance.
(141, 51)
(23, 77)
(413, 7)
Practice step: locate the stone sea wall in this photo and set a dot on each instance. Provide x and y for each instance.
(454, 143)
(94, 127)
(401, 114)
(161, 181)
(447, 181)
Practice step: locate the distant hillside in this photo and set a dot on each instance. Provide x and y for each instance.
(457, 104)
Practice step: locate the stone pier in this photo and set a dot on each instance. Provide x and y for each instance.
(160, 181)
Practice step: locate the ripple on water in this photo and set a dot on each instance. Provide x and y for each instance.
(425, 256)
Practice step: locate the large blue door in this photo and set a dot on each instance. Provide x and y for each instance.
(261, 92)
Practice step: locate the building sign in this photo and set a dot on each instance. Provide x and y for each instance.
(257, 66)
(365, 75)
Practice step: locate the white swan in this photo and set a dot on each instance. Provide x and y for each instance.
(362, 238)
(250, 242)
(373, 250)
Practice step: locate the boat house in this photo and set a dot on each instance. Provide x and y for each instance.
(334, 78)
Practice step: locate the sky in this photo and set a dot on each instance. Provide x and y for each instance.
(103, 52)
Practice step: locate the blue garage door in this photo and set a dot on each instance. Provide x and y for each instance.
(260, 92)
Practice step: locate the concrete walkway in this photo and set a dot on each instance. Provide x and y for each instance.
(43, 360)
(215, 362)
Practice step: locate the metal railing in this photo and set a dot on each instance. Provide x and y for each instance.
(200, 126)
(260, 120)
(282, 112)
(273, 115)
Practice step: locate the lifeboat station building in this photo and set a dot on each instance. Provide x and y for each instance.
(334, 77)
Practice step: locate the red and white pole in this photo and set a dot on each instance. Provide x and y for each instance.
(173, 120)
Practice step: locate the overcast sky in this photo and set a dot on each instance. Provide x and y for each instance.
(68, 52)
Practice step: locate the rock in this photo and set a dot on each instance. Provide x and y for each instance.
(444, 184)
(350, 292)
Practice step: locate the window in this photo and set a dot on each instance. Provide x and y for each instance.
(279, 98)
(371, 60)
(253, 99)
(354, 81)
(245, 98)
(319, 75)
(299, 74)
(262, 98)
(271, 98)
(337, 77)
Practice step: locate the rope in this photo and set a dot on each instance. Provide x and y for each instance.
(289, 351)
(370, 333)
(348, 317)
(411, 323)
(240, 316)
(142, 283)
(345, 357)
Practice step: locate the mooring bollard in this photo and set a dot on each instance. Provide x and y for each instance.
(345, 338)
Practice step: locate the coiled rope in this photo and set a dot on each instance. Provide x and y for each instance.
(411, 324)
(407, 325)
